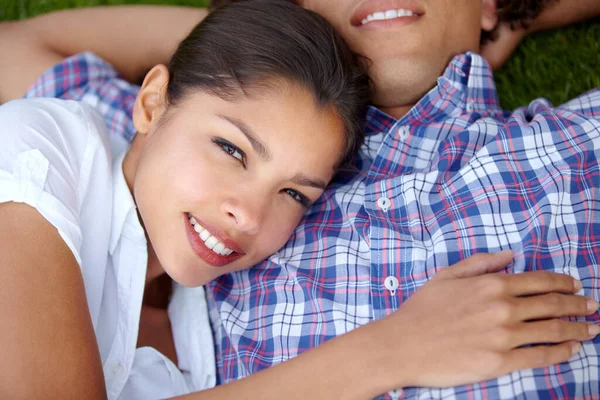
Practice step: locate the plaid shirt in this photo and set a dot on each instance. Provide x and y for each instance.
(455, 176)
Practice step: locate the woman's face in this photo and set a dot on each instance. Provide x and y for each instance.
(221, 185)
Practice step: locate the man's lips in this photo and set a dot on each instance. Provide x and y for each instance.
(370, 7)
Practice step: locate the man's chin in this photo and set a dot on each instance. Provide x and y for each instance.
(400, 99)
(401, 84)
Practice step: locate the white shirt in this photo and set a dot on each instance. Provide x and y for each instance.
(56, 156)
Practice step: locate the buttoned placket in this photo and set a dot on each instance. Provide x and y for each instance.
(383, 206)
(131, 263)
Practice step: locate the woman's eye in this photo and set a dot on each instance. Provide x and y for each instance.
(231, 150)
(300, 198)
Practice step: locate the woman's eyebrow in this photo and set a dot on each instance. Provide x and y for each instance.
(304, 180)
(264, 153)
(252, 137)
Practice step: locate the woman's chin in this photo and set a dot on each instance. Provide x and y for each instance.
(192, 276)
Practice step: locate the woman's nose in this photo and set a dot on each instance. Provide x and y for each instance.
(246, 214)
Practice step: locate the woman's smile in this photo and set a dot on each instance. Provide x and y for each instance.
(216, 251)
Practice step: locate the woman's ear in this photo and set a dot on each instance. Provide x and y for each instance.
(150, 102)
(489, 15)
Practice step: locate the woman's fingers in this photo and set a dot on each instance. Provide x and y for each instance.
(539, 356)
(477, 264)
(539, 282)
(553, 305)
(552, 331)
(482, 318)
(524, 284)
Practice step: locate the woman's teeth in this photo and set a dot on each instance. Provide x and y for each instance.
(389, 14)
(209, 240)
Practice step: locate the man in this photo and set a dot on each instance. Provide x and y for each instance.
(444, 174)
(438, 182)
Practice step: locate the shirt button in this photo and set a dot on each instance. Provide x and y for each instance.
(551, 149)
(384, 203)
(403, 132)
(470, 107)
(118, 369)
(395, 394)
(391, 283)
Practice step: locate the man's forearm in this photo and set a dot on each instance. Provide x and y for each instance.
(565, 12)
(132, 38)
(558, 14)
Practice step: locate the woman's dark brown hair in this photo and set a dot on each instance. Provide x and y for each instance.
(248, 47)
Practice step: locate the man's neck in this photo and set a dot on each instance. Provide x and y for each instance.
(397, 112)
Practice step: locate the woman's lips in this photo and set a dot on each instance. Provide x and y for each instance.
(206, 254)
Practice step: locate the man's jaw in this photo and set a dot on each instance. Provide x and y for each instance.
(396, 111)
(396, 99)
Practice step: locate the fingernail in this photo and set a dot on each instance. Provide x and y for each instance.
(575, 348)
(593, 330)
(578, 285)
(592, 305)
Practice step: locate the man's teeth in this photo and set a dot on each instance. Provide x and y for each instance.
(209, 240)
(389, 14)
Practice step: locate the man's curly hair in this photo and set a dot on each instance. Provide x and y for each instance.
(517, 13)
(521, 11)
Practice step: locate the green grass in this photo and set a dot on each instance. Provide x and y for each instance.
(557, 65)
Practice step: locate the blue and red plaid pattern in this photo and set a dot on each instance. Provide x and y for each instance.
(86, 77)
(455, 176)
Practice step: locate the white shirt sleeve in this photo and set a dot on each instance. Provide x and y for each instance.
(46, 149)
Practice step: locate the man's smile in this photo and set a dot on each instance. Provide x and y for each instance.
(385, 14)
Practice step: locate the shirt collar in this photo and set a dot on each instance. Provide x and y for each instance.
(467, 86)
(123, 206)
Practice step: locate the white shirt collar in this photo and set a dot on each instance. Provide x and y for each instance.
(123, 205)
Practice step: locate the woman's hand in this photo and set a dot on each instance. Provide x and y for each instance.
(463, 326)
(466, 325)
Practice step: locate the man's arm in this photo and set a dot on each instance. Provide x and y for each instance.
(558, 14)
(565, 12)
(132, 38)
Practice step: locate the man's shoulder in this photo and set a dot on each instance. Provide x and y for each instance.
(587, 104)
(88, 78)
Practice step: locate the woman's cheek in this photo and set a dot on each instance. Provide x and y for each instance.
(281, 228)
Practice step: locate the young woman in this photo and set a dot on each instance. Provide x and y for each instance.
(257, 110)
(235, 139)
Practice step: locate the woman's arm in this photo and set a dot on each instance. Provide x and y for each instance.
(49, 348)
(432, 341)
(132, 38)
(48, 344)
